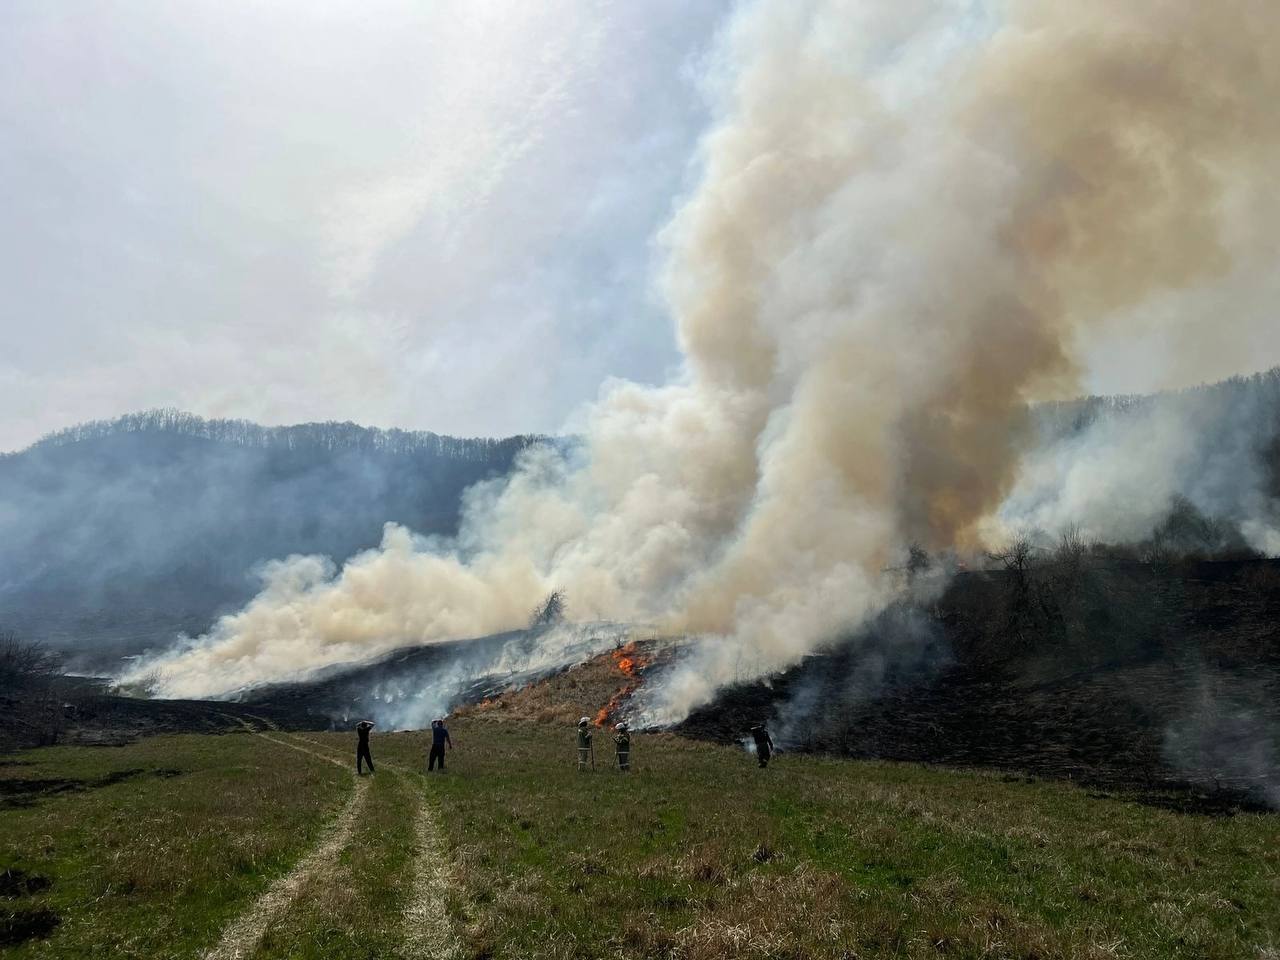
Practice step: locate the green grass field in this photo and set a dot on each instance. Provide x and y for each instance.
(154, 849)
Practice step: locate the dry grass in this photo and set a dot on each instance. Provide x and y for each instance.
(560, 699)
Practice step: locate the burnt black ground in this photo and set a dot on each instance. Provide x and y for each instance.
(1172, 684)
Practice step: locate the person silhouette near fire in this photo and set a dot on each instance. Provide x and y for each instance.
(586, 753)
(362, 745)
(439, 740)
(764, 744)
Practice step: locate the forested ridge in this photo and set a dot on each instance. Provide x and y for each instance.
(328, 435)
(1259, 389)
(120, 534)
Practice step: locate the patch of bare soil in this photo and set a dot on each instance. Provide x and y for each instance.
(101, 719)
(19, 792)
(18, 925)
(20, 922)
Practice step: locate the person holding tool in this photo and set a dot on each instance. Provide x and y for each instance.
(622, 747)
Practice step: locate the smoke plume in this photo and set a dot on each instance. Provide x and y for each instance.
(911, 220)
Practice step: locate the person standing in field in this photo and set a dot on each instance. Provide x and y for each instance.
(362, 745)
(584, 744)
(764, 744)
(439, 740)
(622, 748)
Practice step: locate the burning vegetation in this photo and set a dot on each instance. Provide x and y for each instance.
(600, 688)
(631, 664)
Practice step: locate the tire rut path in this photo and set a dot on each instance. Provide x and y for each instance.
(243, 935)
(429, 933)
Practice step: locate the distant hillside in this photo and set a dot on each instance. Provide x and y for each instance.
(1256, 394)
(119, 534)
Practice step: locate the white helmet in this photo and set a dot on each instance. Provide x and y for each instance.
(584, 721)
(622, 727)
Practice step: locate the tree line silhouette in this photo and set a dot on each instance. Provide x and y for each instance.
(328, 435)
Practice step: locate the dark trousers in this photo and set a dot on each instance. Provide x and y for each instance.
(762, 754)
(437, 753)
(362, 753)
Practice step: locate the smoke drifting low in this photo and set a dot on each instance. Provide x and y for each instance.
(911, 221)
(1112, 469)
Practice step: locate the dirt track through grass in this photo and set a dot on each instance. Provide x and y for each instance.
(427, 930)
(426, 922)
(241, 938)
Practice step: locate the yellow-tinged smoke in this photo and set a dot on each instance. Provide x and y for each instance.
(910, 218)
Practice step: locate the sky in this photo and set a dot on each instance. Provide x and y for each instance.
(432, 215)
(429, 214)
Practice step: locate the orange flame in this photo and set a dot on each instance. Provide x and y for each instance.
(628, 660)
(629, 663)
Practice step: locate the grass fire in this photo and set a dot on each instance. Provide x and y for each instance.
(857, 529)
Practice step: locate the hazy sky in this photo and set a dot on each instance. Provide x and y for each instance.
(435, 215)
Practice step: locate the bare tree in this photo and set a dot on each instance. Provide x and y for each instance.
(1018, 555)
(549, 612)
(918, 559)
(30, 690)
(1071, 549)
(25, 665)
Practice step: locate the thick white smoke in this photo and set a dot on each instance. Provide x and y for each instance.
(910, 217)
(1114, 476)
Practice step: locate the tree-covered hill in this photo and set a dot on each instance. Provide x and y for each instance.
(119, 534)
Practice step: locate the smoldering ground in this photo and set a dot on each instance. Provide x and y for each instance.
(911, 222)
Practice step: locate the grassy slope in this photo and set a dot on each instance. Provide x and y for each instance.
(154, 865)
(696, 854)
(699, 854)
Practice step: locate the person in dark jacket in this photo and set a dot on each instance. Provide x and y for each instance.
(362, 745)
(764, 743)
(439, 740)
(585, 753)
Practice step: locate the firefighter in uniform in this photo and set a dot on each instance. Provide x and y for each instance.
(622, 747)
